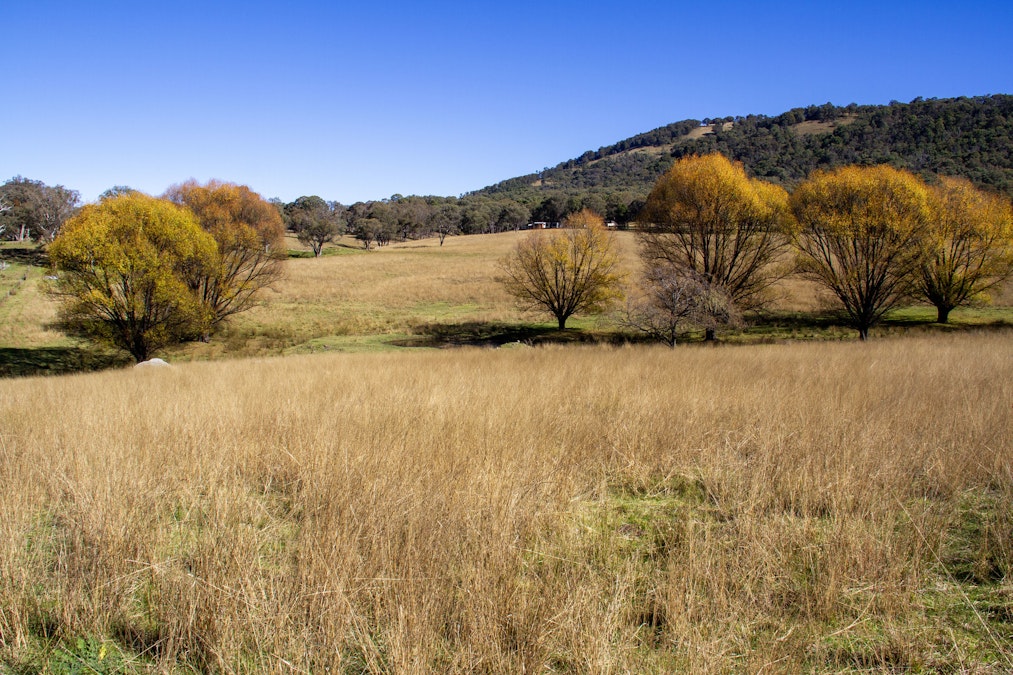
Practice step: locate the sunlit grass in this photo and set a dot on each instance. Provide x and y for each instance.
(803, 507)
(418, 293)
(320, 490)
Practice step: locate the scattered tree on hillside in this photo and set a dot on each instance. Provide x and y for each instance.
(366, 231)
(314, 221)
(705, 216)
(250, 238)
(123, 267)
(444, 220)
(967, 247)
(970, 137)
(859, 236)
(565, 272)
(408, 217)
(35, 210)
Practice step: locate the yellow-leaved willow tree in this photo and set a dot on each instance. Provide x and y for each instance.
(123, 266)
(250, 237)
(859, 236)
(967, 246)
(566, 272)
(707, 218)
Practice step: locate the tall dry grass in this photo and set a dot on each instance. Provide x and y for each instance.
(755, 509)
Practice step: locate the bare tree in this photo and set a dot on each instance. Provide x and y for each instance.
(673, 299)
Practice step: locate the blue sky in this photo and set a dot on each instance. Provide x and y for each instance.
(360, 100)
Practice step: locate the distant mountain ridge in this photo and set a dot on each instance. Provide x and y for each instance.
(967, 136)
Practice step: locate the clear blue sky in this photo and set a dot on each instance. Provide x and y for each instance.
(360, 100)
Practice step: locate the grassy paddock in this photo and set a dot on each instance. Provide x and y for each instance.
(820, 507)
(414, 294)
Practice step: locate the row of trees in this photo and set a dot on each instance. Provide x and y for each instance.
(317, 222)
(30, 210)
(714, 242)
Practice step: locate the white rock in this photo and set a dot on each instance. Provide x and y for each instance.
(154, 363)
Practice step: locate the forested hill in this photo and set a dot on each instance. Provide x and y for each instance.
(971, 137)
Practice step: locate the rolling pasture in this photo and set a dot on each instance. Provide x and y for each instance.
(336, 501)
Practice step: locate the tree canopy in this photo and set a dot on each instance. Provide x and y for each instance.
(315, 221)
(565, 272)
(967, 245)
(859, 236)
(123, 266)
(250, 245)
(707, 217)
(30, 209)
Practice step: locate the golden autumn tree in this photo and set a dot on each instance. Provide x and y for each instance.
(709, 219)
(859, 236)
(249, 233)
(967, 247)
(565, 272)
(123, 266)
(585, 218)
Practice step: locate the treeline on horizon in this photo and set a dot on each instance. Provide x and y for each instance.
(969, 137)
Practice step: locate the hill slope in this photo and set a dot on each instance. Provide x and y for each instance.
(971, 137)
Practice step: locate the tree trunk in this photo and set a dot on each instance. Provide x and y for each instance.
(943, 314)
(708, 335)
(139, 350)
(863, 333)
(562, 322)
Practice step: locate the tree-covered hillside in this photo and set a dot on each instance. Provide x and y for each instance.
(969, 137)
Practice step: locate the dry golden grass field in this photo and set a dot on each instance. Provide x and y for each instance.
(794, 506)
(817, 507)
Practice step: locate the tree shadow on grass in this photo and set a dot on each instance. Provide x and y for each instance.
(18, 362)
(829, 324)
(955, 324)
(26, 256)
(794, 321)
(496, 334)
